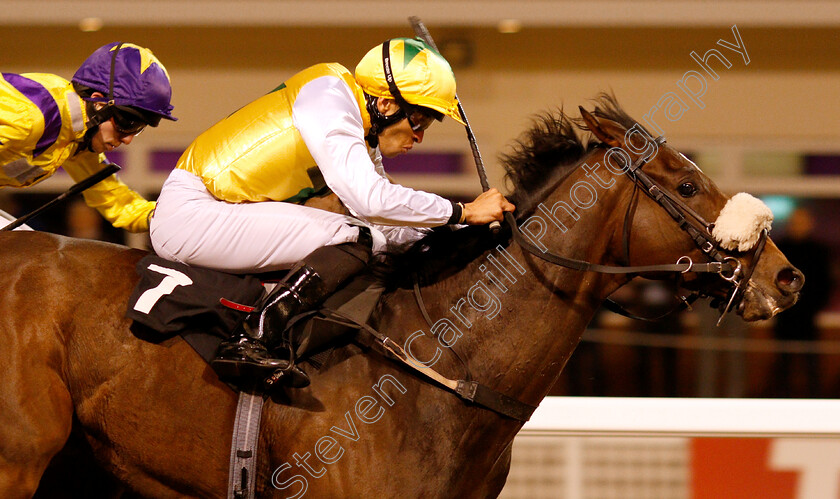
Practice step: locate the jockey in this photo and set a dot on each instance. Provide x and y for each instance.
(232, 203)
(47, 122)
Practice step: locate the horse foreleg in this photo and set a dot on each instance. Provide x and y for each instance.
(35, 421)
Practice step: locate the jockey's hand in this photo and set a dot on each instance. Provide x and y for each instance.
(488, 207)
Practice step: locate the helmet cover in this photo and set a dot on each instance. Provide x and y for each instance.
(421, 74)
(139, 78)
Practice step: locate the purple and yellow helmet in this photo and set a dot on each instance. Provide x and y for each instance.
(128, 75)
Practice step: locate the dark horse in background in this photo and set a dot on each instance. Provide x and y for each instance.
(159, 422)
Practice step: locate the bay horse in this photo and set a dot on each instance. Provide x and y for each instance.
(155, 416)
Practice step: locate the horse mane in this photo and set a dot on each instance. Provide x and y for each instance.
(540, 159)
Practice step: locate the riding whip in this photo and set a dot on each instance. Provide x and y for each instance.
(423, 33)
(110, 169)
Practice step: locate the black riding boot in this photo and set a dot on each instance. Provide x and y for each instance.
(251, 352)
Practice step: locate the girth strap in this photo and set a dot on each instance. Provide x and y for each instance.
(243, 449)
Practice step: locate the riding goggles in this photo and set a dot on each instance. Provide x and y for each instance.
(419, 121)
(127, 121)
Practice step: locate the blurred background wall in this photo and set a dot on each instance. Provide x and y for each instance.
(223, 54)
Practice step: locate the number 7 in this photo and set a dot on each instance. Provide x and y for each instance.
(172, 280)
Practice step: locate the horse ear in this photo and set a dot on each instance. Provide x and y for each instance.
(598, 130)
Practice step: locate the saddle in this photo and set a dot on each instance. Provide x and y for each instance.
(204, 306)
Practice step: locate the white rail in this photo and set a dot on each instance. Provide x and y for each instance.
(685, 417)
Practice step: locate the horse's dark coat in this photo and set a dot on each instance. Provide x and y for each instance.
(159, 421)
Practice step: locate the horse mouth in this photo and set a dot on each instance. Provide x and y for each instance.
(758, 304)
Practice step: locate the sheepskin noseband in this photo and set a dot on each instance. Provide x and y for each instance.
(739, 225)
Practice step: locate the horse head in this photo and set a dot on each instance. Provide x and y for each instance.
(671, 221)
(665, 216)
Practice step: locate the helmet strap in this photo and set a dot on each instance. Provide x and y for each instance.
(99, 116)
(379, 121)
(111, 78)
(87, 140)
(389, 78)
(104, 114)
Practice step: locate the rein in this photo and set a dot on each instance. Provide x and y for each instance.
(583, 266)
(673, 206)
(727, 267)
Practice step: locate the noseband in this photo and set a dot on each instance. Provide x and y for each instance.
(728, 268)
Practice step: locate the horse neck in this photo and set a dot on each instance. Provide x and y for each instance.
(522, 317)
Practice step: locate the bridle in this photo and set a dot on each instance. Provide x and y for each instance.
(728, 268)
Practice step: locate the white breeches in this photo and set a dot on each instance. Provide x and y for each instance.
(193, 227)
(6, 219)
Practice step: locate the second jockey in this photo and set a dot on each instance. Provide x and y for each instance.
(47, 122)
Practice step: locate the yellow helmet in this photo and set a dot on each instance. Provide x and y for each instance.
(421, 76)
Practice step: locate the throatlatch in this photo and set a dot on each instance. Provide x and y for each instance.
(744, 223)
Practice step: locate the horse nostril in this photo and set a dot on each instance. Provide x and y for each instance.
(790, 280)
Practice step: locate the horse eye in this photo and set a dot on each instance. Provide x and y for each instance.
(687, 189)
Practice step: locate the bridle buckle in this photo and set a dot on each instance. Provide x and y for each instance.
(736, 270)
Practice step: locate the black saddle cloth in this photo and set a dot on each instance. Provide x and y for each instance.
(204, 307)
